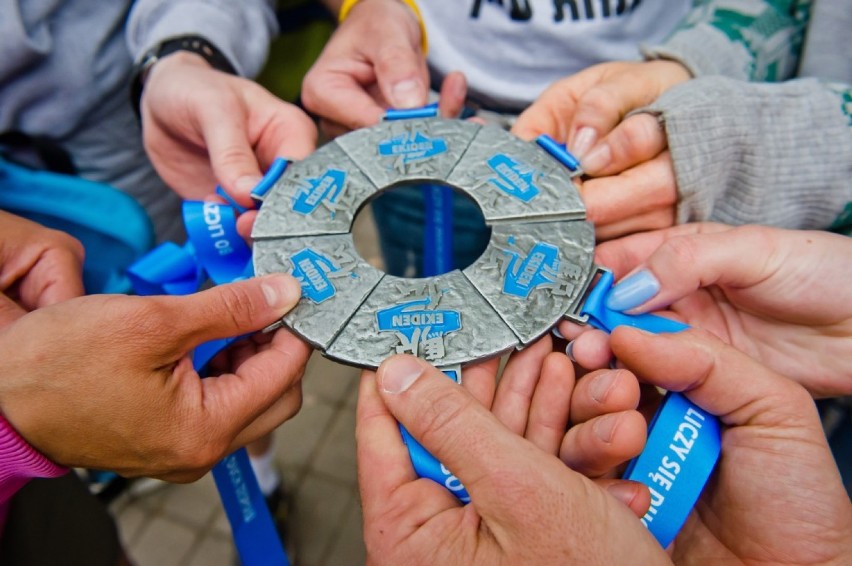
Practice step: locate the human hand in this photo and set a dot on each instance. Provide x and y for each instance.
(527, 506)
(106, 381)
(633, 185)
(38, 267)
(775, 458)
(781, 296)
(583, 108)
(373, 61)
(590, 423)
(203, 128)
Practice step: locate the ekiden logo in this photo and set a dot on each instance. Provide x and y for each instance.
(513, 177)
(324, 190)
(539, 267)
(420, 330)
(312, 270)
(411, 147)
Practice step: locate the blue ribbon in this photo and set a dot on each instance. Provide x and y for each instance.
(427, 466)
(684, 441)
(559, 152)
(438, 200)
(217, 251)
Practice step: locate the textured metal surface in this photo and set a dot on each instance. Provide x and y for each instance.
(536, 267)
(532, 273)
(335, 281)
(442, 319)
(514, 180)
(320, 195)
(409, 150)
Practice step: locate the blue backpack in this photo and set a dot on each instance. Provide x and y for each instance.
(114, 229)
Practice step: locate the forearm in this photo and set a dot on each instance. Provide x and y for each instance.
(759, 153)
(241, 30)
(757, 40)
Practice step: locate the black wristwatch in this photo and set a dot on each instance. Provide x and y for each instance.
(192, 43)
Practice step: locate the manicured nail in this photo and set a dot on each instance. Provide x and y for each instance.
(604, 427)
(555, 331)
(597, 159)
(280, 291)
(406, 94)
(246, 184)
(601, 386)
(569, 351)
(399, 373)
(633, 291)
(583, 141)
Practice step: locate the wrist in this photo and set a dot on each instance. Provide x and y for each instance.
(346, 7)
(198, 47)
(20, 462)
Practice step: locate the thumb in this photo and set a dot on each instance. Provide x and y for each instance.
(716, 377)
(463, 435)
(401, 71)
(233, 309)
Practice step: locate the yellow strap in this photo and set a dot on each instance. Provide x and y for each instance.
(347, 6)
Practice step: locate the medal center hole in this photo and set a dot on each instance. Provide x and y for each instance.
(392, 232)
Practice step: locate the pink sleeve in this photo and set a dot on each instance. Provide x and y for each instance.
(19, 462)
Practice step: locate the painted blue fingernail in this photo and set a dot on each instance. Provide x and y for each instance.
(555, 331)
(633, 291)
(569, 351)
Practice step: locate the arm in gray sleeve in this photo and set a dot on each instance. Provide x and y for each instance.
(241, 29)
(756, 40)
(776, 154)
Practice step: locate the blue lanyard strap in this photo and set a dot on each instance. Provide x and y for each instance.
(217, 251)
(684, 441)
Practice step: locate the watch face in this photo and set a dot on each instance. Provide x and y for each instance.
(535, 268)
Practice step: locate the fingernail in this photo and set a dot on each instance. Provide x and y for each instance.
(406, 94)
(633, 291)
(569, 351)
(280, 291)
(601, 386)
(597, 159)
(555, 331)
(604, 427)
(399, 373)
(583, 141)
(246, 184)
(623, 491)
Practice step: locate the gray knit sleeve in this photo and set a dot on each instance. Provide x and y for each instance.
(757, 40)
(776, 154)
(241, 29)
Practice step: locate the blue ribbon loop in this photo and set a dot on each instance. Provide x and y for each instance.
(684, 441)
(428, 111)
(559, 152)
(216, 251)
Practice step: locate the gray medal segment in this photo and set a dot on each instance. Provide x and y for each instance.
(513, 180)
(409, 150)
(532, 273)
(442, 319)
(320, 195)
(335, 281)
